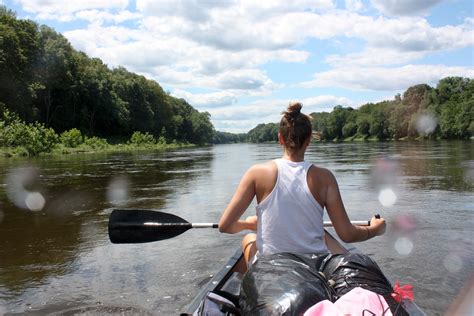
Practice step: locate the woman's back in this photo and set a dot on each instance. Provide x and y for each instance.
(290, 218)
(320, 190)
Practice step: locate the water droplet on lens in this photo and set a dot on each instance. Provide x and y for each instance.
(34, 201)
(453, 263)
(387, 197)
(403, 246)
(426, 124)
(117, 191)
(17, 181)
(469, 172)
(405, 223)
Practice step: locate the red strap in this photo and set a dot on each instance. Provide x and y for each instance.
(403, 292)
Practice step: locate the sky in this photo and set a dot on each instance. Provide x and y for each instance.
(243, 61)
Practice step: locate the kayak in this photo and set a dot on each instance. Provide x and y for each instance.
(228, 279)
(222, 292)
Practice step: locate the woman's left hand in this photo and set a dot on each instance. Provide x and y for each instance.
(252, 222)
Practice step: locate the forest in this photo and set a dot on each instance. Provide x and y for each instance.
(44, 79)
(52, 94)
(444, 112)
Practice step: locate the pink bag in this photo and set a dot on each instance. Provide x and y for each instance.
(356, 302)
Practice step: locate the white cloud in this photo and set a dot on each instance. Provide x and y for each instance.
(179, 61)
(404, 7)
(386, 79)
(232, 40)
(190, 10)
(203, 101)
(324, 103)
(201, 10)
(228, 47)
(372, 56)
(413, 34)
(99, 17)
(59, 10)
(242, 118)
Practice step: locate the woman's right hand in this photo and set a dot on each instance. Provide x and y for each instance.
(377, 226)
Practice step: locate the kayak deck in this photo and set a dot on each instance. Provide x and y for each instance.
(228, 279)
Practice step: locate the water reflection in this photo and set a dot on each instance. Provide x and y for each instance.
(438, 165)
(36, 247)
(60, 258)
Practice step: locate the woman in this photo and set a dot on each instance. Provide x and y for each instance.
(291, 195)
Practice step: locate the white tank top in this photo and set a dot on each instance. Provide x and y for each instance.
(289, 218)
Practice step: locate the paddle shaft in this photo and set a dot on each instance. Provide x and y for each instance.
(139, 225)
(214, 225)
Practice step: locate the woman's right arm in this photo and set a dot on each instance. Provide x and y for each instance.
(338, 215)
(230, 221)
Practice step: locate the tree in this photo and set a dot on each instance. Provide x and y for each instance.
(263, 133)
(378, 121)
(53, 76)
(19, 49)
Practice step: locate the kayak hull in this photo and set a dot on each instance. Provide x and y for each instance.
(229, 276)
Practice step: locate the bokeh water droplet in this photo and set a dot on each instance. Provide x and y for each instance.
(426, 124)
(405, 223)
(403, 246)
(20, 182)
(117, 191)
(453, 262)
(469, 172)
(387, 197)
(34, 201)
(385, 179)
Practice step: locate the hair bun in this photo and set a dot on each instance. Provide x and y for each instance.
(294, 108)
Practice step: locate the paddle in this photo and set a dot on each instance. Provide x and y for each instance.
(131, 226)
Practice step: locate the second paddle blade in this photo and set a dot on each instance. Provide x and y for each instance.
(130, 226)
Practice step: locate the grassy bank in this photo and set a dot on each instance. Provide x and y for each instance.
(60, 149)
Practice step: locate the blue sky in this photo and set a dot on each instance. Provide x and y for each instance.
(244, 61)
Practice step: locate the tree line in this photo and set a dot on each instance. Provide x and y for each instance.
(50, 91)
(44, 80)
(443, 112)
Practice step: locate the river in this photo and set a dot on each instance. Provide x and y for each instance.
(55, 255)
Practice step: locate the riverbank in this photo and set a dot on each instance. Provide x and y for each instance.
(60, 149)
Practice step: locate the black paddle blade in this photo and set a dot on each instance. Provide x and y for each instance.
(131, 226)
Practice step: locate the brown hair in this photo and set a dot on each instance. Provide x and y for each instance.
(295, 127)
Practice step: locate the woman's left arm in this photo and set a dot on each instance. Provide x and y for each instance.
(230, 220)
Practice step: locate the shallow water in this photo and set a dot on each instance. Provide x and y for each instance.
(55, 256)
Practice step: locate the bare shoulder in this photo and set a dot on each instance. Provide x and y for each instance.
(321, 174)
(262, 168)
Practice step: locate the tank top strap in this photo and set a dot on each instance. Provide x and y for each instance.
(307, 165)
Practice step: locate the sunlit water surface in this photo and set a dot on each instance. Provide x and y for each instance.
(55, 255)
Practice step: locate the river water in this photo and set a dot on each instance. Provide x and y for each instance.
(55, 255)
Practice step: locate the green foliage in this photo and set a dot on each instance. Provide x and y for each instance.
(96, 142)
(71, 138)
(140, 139)
(35, 138)
(263, 133)
(227, 138)
(363, 124)
(349, 129)
(456, 118)
(42, 78)
(450, 105)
